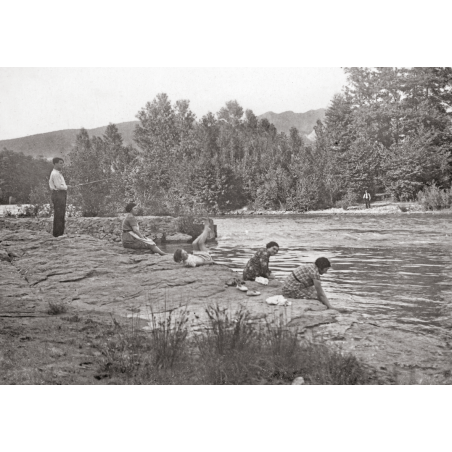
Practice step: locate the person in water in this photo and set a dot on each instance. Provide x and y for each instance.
(131, 235)
(304, 282)
(258, 264)
(201, 255)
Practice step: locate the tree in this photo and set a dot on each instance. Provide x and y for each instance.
(88, 163)
(415, 163)
(20, 173)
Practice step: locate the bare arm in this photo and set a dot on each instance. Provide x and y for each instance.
(264, 261)
(198, 264)
(137, 232)
(321, 294)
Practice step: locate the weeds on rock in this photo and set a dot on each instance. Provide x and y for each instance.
(127, 350)
(56, 308)
(168, 336)
(232, 349)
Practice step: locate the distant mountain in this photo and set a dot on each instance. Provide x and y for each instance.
(304, 122)
(55, 144)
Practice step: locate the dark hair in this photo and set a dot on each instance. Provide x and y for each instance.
(322, 262)
(177, 255)
(57, 159)
(130, 206)
(270, 244)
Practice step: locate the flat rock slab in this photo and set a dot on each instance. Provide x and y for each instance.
(90, 274)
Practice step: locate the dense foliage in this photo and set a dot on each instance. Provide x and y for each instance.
(389, 130)
(21, 174)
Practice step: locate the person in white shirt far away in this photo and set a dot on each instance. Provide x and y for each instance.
(366, 198)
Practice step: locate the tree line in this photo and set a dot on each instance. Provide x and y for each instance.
(389, 130)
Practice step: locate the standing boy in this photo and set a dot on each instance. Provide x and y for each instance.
(59, 196)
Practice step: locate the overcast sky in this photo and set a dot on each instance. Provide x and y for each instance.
(39, 100)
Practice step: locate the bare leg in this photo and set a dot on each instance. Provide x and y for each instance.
(199, 243)
(156, 249)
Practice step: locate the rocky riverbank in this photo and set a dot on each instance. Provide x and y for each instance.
(97, 280)
(377, 208)
(163, 229)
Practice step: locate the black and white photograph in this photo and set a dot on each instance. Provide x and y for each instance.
(187, 221)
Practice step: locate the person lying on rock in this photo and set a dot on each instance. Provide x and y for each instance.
(258, 264)
(201, 255)
(304, 282)
(131, 235)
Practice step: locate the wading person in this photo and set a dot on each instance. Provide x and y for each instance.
(201, 255)
(59, 196)
(304, 282)
(131, 235)
(258, 264)
(366, 198)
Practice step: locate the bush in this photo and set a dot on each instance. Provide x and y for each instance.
(56, 308)
(40, 198)
(231, 349)
(349, 199)
(433, 198)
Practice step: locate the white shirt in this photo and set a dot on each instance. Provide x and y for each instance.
(198, 257)
(56, 181)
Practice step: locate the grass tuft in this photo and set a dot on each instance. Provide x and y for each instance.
(56, 308)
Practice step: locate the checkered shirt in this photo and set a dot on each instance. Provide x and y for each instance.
(306, 274)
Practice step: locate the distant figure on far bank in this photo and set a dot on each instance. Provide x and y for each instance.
(131, 235)
(304, 282)
(366, 198)
(59, 196)
(258, 264)
(201, 255)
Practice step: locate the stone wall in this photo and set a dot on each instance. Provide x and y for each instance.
(160, 229)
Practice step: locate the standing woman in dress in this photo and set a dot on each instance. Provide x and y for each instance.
(131, 235)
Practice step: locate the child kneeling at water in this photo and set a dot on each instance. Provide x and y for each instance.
(201, 255)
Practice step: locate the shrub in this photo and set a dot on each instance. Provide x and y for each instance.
(433, 198)
(349, 199)
(56, 308)
(231, 349)
(168, 335)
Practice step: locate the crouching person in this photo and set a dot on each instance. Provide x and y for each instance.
(304, 282)
(201, 255)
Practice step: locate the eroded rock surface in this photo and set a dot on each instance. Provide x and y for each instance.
(87, 273)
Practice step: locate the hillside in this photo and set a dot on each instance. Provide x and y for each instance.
(53, 144)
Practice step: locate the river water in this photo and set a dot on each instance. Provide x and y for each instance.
(396, 269)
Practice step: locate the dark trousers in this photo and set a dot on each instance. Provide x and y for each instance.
(59, 206)
(367, 203)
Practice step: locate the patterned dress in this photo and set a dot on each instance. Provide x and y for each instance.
(300, 283)
(257, 266)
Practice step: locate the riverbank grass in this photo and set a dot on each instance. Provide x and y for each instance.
(230, 350)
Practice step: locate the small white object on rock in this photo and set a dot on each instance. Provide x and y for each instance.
(278, 300)
(298, 381)
(262, 280)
